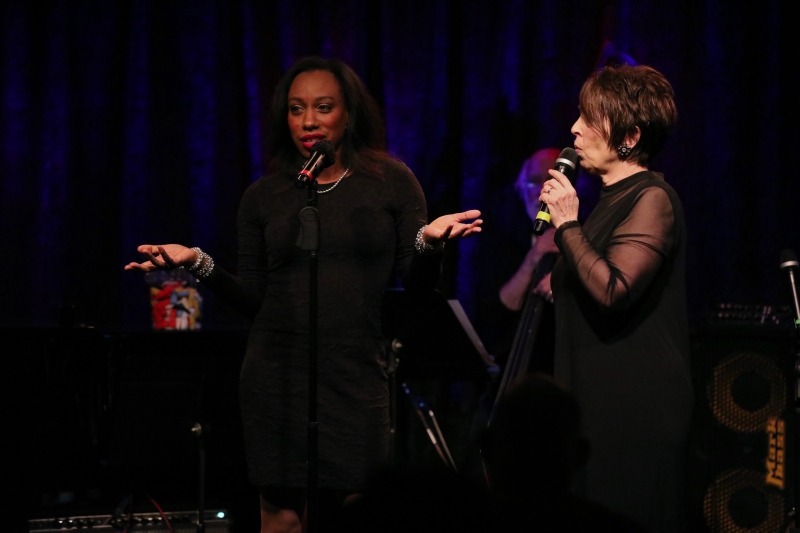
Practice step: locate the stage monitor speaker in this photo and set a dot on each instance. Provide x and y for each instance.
(183, 521)
(741, 460)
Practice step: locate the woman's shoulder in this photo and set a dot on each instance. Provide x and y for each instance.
(384, 166)
(398, 175)
(655, 195)
(269, 184)
(264, 191)
(656, 186)
(395, 166)
(400, 179)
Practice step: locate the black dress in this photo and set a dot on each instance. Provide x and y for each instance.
(368, 227)
(622, 346)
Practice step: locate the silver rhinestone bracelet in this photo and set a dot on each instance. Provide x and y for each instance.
(204, 265)
(425, 248)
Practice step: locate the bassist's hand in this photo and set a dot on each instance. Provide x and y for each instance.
(545, 244)
(543, 289)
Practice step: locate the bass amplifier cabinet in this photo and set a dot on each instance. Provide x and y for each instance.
(215, 522)
(742, 465)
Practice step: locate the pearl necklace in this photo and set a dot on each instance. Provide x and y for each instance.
(329, 189)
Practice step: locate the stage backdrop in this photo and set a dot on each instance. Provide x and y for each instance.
(143, 122)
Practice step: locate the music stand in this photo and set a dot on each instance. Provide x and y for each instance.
(435, 339)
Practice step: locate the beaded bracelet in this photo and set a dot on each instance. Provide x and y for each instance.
(204, 265)
(423, 247)
(196, 264)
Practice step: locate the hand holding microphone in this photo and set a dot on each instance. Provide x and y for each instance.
(566, 164)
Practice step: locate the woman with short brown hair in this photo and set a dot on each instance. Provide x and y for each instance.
(619, 293)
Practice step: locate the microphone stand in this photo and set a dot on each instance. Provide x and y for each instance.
(796, 528)
(434, 432)
(309, 240)
(199, 433)
(393, 361)
(789, 263)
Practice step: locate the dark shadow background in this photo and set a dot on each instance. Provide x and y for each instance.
(138, 121)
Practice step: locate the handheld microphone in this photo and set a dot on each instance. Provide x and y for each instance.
(566, 163)
(789, 263)
(322, 156)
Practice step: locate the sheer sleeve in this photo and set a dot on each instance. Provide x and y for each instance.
(246, 291)
(618, 276)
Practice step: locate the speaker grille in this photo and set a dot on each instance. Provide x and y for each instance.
(738, 501)
(741, 477)
(746, 390)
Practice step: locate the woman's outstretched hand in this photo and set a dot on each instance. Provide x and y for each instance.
(452, 227)
(163, 257)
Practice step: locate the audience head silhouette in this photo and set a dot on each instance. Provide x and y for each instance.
(534, 440)
(426, 499)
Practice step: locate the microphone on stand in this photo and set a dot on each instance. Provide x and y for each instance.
(322, 156)
(566, 163)
(790, 264)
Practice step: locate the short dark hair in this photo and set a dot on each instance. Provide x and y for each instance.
(364, 142)
(618, 99)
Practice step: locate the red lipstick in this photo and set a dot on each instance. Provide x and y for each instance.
(309, 139)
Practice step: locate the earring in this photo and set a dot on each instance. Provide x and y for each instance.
(624, 150)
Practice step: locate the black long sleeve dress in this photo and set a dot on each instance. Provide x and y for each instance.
(368, 227)
(622, 346)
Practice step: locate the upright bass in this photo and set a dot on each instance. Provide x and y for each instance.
(519, 358)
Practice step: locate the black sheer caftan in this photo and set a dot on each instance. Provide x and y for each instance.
(622, 346)
(368, 227)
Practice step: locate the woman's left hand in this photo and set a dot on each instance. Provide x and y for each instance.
(452, 227)
(561, 199)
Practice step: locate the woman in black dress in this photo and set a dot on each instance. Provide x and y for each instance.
(621, 327)
(373, 225)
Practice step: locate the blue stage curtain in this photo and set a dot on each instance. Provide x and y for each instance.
(143, 122)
